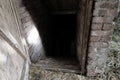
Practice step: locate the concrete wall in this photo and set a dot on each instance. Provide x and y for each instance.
(104, 12)
(13, 49)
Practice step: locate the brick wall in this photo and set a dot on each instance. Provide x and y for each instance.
(102, 27)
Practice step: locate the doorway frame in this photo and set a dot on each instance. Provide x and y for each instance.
(83, 31)
(84, 18)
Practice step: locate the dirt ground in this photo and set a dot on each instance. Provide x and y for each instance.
(37, 73)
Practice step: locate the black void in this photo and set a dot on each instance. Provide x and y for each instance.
(62, 35)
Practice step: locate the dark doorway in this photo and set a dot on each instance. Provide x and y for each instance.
(59, 22)
(62, 40)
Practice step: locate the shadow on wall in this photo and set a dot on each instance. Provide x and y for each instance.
(38, 12)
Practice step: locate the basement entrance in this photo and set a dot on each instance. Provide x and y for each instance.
(61, 43)
(64, 27)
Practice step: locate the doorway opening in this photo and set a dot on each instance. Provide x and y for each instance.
(61, 42)
(64, 29)
(62, 35)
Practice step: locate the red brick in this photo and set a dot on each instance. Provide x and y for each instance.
(98, 44)
(26, 19)
(95, 12)
(106, 4)
(22, 10)
(101, 33)
(97, 19)
(25, 14)
(109, 4)
(95, 38)
(107, 20)
(108, 27)
(28, 23)
(113, 12)
(102, 20)
(102, 12)
(105, 38)
(96, 26)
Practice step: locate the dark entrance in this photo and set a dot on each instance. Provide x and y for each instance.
(61, 42)
(62, 35)
(64, 27)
